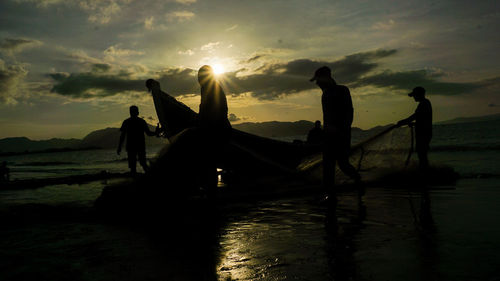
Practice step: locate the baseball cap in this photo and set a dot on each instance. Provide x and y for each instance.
(417, 91)
(323, 71)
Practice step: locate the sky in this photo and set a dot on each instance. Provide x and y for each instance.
(70, 67)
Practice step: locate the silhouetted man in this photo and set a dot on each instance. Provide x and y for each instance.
(315, 135)
(423, 125)
(337, 119)
(213, 122)
(134, 128)
(213, 104)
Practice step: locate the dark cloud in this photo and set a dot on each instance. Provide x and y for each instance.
(178, 82)
(233, 118)
(271, 81)
(276, 80)
(254, 58)
(407, 80)
(80, 85)
(99, 83)
(17, 44)
(101, 67)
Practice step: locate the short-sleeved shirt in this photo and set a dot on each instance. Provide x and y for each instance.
(135, 127)
(337, 107)
(423, 119)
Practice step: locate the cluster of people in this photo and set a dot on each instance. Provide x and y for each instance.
(335, 137)
(212, 125)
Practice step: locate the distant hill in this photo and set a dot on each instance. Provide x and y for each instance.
(22, 144)
(471, 119)
(105, 138)
(109, 138)
(276, 129)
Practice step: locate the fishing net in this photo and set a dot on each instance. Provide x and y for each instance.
(386, 152)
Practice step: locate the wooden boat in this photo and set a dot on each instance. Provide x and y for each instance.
(245, 150)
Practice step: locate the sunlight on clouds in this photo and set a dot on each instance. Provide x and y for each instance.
(180, 16)
(232, 27)
(148, 23)
(188, 52)
(186, 2)
(218, 68)
(210, 46)
(384, 25)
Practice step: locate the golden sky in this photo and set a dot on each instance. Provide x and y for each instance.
(70, 67)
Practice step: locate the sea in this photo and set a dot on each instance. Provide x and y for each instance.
(447, 232)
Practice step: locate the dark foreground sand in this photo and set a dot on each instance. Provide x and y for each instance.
(448, 233)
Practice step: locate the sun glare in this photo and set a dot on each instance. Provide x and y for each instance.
(218, 69)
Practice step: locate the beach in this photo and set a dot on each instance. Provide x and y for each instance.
(401, 231)
(393, 235)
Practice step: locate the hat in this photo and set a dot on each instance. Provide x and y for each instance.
(323, 71)
(417, 91)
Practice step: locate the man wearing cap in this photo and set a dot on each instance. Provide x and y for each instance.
(423, 125)
(337, 119)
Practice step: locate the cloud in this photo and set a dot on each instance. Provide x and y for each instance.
(187, 52)
(210, 46)
(384, 25)
(99, 83)
(271, 81)
(41, 3)
(180, 16)
(148, 23)
(10, 79)
(101, 67)
(407, 80)
(88, 85)
(16, 45)
(101, 11)
(186, 2)
(254, 58)
(118, 52)
(232, 27)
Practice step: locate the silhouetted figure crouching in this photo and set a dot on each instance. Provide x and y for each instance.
(316, 134)
(423, 125)
(4, 172)
(134, 128)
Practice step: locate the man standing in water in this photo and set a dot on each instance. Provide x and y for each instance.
(338, 114)
(423, 125)
(134, 128)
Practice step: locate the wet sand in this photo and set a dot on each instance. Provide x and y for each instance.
(449, 233)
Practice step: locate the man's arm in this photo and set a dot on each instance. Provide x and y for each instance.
(147, 131)
(123, 131)
(408, 120)
(122, 138)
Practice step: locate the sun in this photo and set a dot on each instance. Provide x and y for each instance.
(218, 68)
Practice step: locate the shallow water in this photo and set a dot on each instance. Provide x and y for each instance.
(445, 234)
